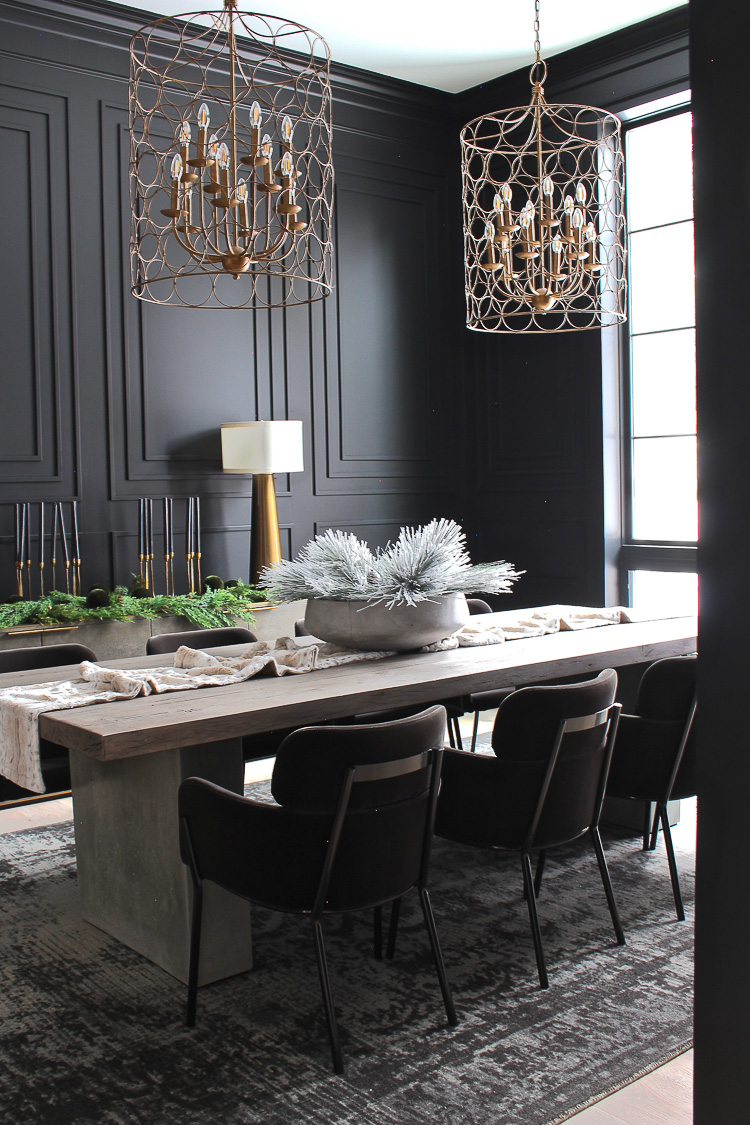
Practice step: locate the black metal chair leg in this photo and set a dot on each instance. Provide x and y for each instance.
(457, 729)
(647, 821)
(195, 953)
(672, 864)
(445, 987)
(655, 828)
(604, 872)
(539, 872)
(528, 886)
(377, 932)
(451, 738)
(393, 929)
(474, 733)
(325, 987)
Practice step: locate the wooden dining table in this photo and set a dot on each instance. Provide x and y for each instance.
(129, 757)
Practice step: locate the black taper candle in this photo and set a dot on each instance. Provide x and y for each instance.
(198, 541)
(165, 522)
(27, 505)
(151, 542)
(77, 555)
(189, 544)
(53, 559)
(140, 538)
(19, 554)
(41, 549)
(171, 544)
(66, 556)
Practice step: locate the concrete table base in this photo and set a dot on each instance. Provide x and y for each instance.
(132, 882)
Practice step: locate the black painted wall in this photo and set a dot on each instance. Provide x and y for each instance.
(539, 406)
(107, 398)
(722, 161)
(407, 415)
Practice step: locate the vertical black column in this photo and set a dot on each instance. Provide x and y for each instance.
(722, 202)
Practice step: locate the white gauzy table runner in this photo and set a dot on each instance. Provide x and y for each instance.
(20, 707)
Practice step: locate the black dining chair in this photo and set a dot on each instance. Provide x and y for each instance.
(53, 758)
(654, 754)
(352, 830)
(543, 786)
(163, 643)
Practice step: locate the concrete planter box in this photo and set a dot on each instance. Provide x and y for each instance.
(114, 640)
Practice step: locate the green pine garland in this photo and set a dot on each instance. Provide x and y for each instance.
(211, 610)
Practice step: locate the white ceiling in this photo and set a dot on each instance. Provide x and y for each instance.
(447, 45)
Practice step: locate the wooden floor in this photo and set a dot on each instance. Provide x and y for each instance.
(663, 1097)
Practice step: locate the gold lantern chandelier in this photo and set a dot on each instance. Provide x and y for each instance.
(544, 219)
(230, 161)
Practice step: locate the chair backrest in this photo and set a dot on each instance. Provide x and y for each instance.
(667, 693)
(554, 746)
(43, 656)
(355, 823)
(667, 689)
(199, 638)
(478, 605)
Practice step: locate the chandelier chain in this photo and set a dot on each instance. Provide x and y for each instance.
(537, 43)
(544, 224)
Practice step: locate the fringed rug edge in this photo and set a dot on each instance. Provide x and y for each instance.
(662, 1061)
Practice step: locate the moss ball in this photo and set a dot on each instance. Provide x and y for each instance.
(230, 582)
(14, 598)
(140, 592)
(99, 586)
(212, 582)
(98, 598)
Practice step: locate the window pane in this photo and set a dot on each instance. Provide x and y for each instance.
(665, 489)
(663, 383)
(659, 181)
(662, 279)
(656, 591)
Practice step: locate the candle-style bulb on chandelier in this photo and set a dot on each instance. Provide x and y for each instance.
(230, 161)
(544, 216)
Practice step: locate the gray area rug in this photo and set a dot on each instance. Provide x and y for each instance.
(92, 1034)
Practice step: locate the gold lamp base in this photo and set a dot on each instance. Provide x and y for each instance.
(265, 543)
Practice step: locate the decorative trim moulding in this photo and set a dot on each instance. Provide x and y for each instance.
(639, 45)
(42, 117)
(90, 17)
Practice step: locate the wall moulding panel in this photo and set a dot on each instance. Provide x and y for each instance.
(37, 430)
(535, 413)
(118, 400)
(383, 383)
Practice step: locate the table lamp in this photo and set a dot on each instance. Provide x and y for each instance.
(262, 448)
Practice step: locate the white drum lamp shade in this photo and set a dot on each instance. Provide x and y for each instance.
(262, 448)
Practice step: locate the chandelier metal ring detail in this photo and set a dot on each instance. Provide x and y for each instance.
(230, 161)
(544, 216)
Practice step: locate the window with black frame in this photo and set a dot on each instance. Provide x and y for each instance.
(660, 506)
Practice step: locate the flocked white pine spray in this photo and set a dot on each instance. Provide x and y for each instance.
(422, 564)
